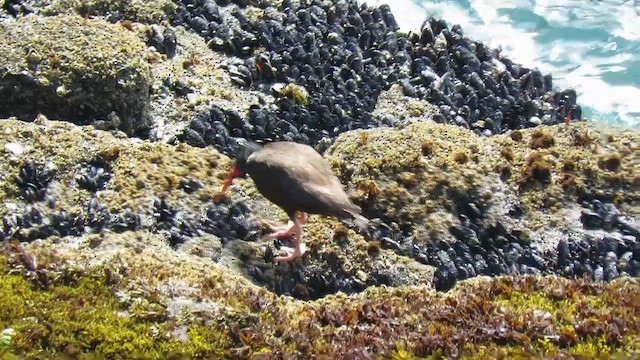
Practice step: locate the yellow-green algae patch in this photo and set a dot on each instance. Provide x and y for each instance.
(147, 11)
(121, 285)
(543, 317)
(76, 69)
(78, 316)
(414, 173)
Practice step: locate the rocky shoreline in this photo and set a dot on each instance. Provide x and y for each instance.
(505, 223)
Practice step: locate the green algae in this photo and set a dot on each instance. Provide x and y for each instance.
(80, 317)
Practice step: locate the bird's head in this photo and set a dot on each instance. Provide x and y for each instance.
(244, 149)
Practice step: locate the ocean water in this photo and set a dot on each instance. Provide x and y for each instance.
(592, 46)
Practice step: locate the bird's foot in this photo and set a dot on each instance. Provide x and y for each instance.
(281, 231)
(292, 253)
(284, 231)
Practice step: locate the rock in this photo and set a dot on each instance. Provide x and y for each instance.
(75, 69)
(147, 11)
(136, 218)
(14, 148)
(591, 219)
(426, 149)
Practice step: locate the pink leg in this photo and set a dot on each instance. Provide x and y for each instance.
(284, 231)
(298, 248)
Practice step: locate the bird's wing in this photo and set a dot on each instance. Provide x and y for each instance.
(298, 178)
(303, 161)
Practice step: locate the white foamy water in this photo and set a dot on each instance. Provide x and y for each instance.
(588, 45)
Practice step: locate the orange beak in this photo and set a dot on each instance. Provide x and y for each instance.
(235, 172)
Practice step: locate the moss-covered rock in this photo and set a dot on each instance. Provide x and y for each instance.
(75, 69)
(140, 172)
(423, 174)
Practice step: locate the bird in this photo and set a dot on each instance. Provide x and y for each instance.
(299, 180)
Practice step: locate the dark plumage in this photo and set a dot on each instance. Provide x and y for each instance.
(298, 179)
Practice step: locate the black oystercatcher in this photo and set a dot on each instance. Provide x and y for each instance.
(298, 179)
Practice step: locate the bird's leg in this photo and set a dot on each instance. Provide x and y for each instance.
(284, 231)
(298, 247)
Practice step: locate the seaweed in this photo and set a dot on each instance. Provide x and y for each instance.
(78, 315)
